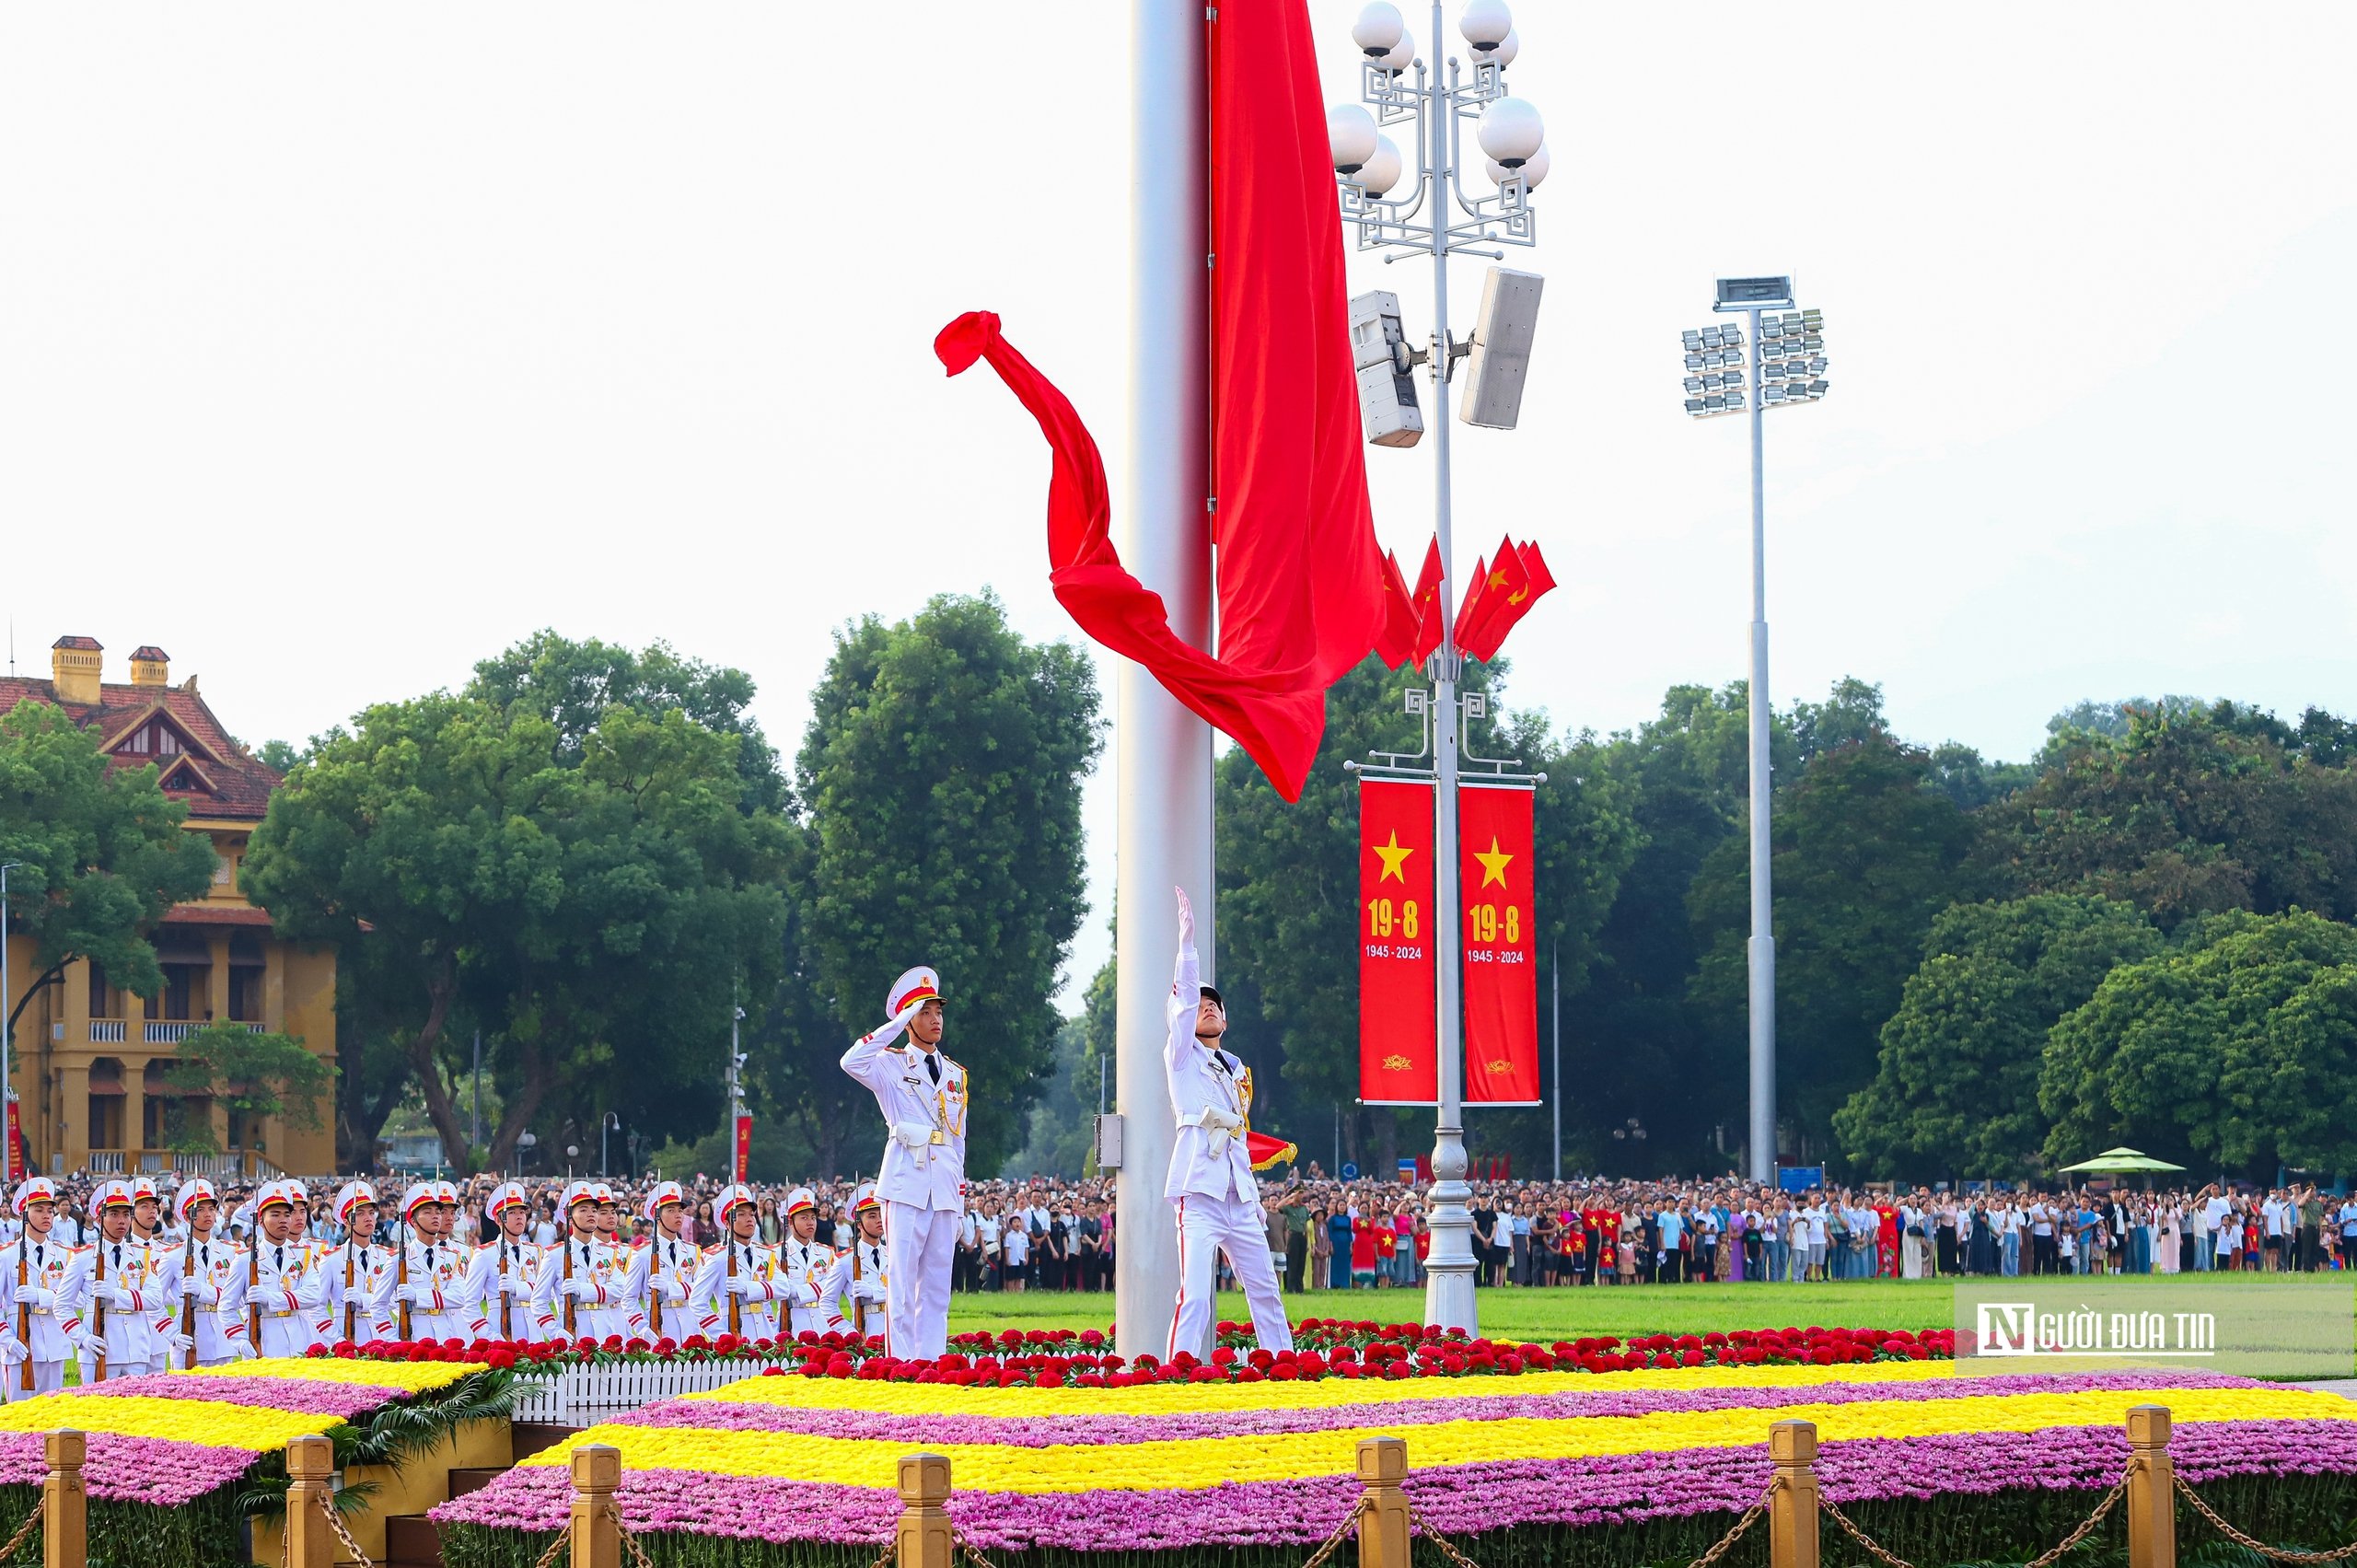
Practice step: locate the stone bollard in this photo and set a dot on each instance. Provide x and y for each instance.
(924, 1535)
(2152, 1490)
(310, 1467)
(1382, 1528)
(66, 1507)
(1791, 1506)
(597, 1470)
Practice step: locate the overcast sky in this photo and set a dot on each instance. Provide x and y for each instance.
(341, 346)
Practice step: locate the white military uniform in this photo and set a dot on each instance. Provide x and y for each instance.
(508, 1272)
(1210, 1185)
(438, 1271)
(211, 1267)
(861, 1278)
(588, 1273)
(805, 1266)
(663, 1269)
(282, 1286)
(923, 1179)
(138, 1287)
(358, 1292)
(744, 1270)
(35, 1273)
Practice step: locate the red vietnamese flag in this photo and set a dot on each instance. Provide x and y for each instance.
(744, 1151)
(1500, 941)
(1426, 599)
(1300, 589)
(1488, 601)
(1398, 1044)
(1397, 644)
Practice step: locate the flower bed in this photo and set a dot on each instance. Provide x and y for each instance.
(1559, 1463)
(169, 1454)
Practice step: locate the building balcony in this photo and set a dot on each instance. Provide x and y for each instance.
(117, 1032)
(238, 1165)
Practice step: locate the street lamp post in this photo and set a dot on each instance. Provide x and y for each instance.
(605, 1125)
(1438, 216)
(1786, 366)
(7, 1025)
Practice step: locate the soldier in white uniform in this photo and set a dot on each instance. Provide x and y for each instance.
(358, 1294)
(34, 1301)
(437, 1267)
(282, 1286)
(210, 1271)
(1211, 1184)
(508, 1269)
(805, 1262)
(579, 1292)
(923, 1179)
(664, 1264)
(138, 1288)
(739, 1267)
(858, 1291)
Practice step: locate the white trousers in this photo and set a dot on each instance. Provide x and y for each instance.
(48, 1377)
(918, 1246)
(1208, 1227)
(115, 1368)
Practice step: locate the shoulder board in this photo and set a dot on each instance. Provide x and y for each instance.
(896, 1050)
(949, 1060)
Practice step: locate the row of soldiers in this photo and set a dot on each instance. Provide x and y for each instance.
(144, 1297)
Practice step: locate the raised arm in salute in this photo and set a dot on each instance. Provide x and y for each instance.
(922, 1180)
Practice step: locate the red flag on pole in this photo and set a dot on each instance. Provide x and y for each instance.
(1494, 835)
(1300, 580)
(1427, 602)
(1399, 1044)
(1397, 644)
(744, 1151)
(1517, 577)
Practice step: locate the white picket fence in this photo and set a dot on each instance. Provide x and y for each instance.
(583, 1396)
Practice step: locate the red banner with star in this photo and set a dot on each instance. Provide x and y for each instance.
(1500, 939)
(1398, 1028)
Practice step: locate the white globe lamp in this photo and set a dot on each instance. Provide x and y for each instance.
(1378, 28)
(1382, 170)
(1350, 135)
(1511, 130)
(1485, 25)
(1533, 169)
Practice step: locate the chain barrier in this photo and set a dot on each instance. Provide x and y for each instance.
(2047, 1559)
(1874, 1549)
(630, 1541)
(2277, 1553)
(555, 1548)
(1726, 1542)
(884, 1558)
(1341, 1533)
(1447, 1548)
(335, 1522)
(967, 1549)
(32, 1523)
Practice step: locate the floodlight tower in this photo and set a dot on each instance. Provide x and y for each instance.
(1438, 216)
(1787, 367)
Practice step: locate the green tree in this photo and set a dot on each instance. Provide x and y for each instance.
(942, 772)
(573, 685)
(1955, 1084)
(2192, 811)
(1289, 877)
(593, 909)
(100, 854)
(2189, 1053)
(1063, 1123)
(252, 1074)
(1864, 854)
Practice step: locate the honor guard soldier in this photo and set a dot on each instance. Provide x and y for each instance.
(508, 1269)
(281, 1287)
(210, 1271)
(739, 1289)
(129, 1296)
(664, 1264)
(1210, 1185)
(147, 1216)
(577, 1295)
(34, 1276)
(858, 1292)
(805, 1262)
(923, 1179)
(437, 1266)
(358, 1292)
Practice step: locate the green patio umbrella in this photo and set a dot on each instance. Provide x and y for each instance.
(2121, 1160)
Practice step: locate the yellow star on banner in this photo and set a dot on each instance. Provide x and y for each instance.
(1493, 864)
(1393, 859)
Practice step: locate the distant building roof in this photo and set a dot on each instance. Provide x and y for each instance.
(226, 782)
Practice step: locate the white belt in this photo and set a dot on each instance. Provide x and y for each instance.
(1220, 1124)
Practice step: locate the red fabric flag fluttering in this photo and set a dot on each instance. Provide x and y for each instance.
(1503, 591)
(1301, 583)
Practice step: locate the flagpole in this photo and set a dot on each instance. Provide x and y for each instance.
(1163, 753)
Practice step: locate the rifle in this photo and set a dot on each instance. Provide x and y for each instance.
(735, 1302)
(507, 1302)
(23, 1314)
(254, 1278)
(654, 1286)
(858, 1302)
(348, 1308)
(568, 1295)
(402, 1281)
(188, 1303)
(98, 1317)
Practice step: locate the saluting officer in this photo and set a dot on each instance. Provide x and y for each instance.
(358, 1294)
(664, 1264)
(739, 1267)
(857, 1294)
(34, 1276)
(922, 1179)
(210, 1272)
(1210, 1185)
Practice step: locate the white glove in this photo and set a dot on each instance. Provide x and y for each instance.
(187, 1285)
(34, 1296)
(1186, 919)
(246, 1351)
(90, 1341)
(738, 1285)
(580, 1288)
(868, 1289)
(177, 1344)
(13, 1352)
(119, 1297)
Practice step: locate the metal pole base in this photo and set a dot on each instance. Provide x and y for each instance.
(1449, 1268)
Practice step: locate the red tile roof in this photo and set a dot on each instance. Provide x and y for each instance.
(241, 783)
(151, 652)
(216, 915)
(87, 645)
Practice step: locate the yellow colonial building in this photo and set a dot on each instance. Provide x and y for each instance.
(89, 1057)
